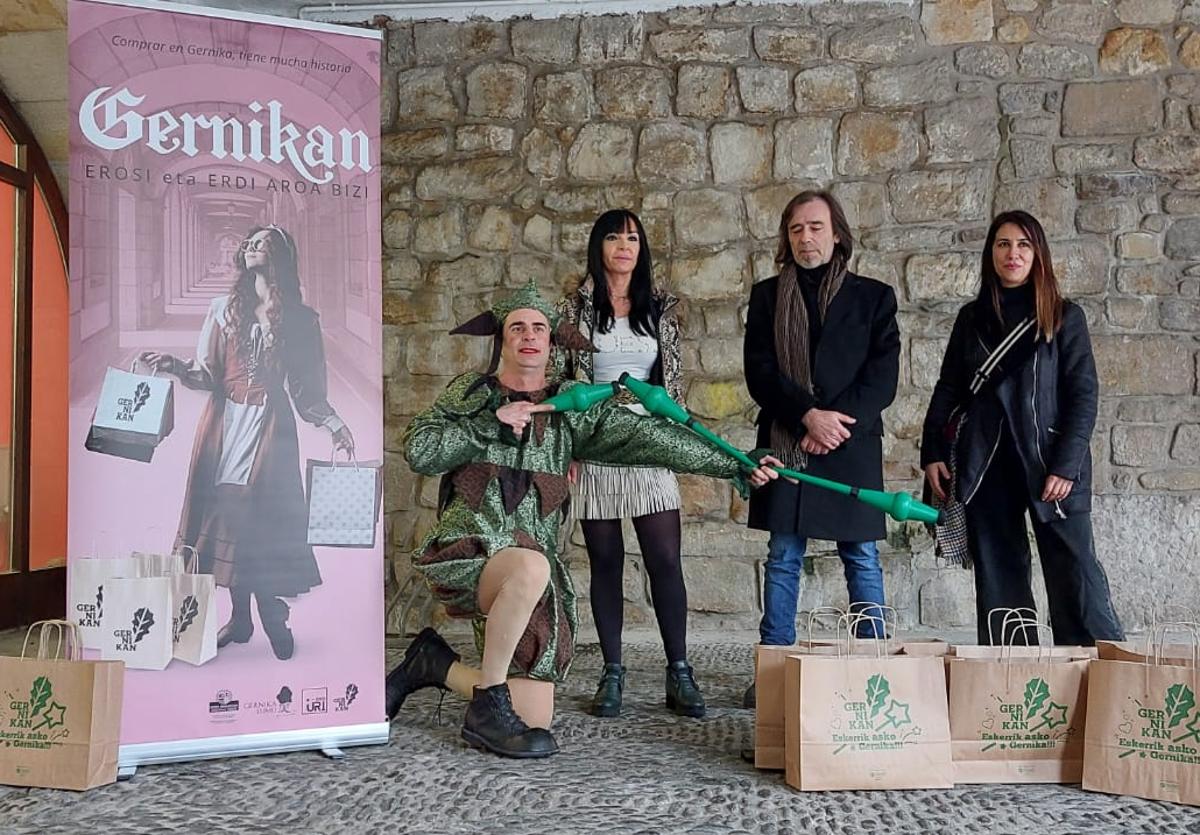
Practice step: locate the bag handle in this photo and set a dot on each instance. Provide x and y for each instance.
(191, 565)
(851, 620)
(815, 615)
(333, 462)
(66, 637)
(137, 360)
(1008, 656)
(1019, 614)
(1154, 648)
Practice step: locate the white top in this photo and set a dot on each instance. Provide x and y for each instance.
(622, 351)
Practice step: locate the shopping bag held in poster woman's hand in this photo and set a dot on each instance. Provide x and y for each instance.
(60, 716)
(343, 502)
(134, 414)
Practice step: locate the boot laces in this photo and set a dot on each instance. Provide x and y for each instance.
(513, 723)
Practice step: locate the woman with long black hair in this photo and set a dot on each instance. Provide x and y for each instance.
(635, 328)
(1014, 409)
(259, 355)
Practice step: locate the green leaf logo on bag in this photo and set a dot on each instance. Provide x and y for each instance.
(187, 615)
(879, 723)
(1037, 721)
(128, 639)
(39, 694)
(32, 722)
(1150, 734)
(1180, 700)
(877, 693)
(1036, 693)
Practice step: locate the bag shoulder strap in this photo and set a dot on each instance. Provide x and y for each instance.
(989, 365)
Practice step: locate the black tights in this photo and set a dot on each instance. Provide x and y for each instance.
(658, 536)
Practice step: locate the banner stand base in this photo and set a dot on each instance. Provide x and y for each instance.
(329, 741)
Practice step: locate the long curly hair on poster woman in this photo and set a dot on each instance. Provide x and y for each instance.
(261, 359)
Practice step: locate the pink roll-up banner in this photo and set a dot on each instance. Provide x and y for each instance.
(225, 337)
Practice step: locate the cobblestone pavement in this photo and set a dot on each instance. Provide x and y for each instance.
(646, 772)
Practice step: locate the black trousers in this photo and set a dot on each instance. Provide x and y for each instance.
(1081, 610)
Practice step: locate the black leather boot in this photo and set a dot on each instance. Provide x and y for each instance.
(607, 701)
(683, 695)
(426, 663)
(273, 614)
(492, 723)
(240, 626)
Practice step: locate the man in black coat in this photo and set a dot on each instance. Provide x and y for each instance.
(821, 358)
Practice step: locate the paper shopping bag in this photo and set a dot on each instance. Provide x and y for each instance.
(136, 627)
(134, 414)
(1018, 720)
(194, 623)
(343, 503)
(1142, 736)
(855, 722)
(768, 699)
(60, 717)
(86, 578)
(769, 737)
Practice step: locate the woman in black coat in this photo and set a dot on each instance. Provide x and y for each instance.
(1024, 440)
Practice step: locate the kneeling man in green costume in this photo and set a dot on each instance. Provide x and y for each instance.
(493, 554)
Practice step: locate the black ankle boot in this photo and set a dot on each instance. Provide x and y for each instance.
(273, 614)
(607, 701)
(426, 663)
(240, 626)
(492, 723)
(683, 695)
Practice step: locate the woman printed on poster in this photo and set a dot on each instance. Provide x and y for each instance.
(244, 509)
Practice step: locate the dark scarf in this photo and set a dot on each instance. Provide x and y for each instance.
(792, 344)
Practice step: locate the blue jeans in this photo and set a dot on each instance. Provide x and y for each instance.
(781, 585)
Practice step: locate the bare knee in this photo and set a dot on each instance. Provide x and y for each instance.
(522, 574)
(531, 573)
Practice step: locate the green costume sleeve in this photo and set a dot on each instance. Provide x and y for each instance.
(610, 434)
(456, 430)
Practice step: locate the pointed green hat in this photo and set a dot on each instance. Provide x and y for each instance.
(491, 322)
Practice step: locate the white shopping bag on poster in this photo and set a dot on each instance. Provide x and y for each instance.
(134, 413)
(194, 622)
(136, 626)
(86, 579)
(343, 503)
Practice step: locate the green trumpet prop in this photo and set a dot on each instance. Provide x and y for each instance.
(581, 397)
(577, 398)
(900, 506)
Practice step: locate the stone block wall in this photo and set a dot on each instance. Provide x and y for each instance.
(505, 139)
